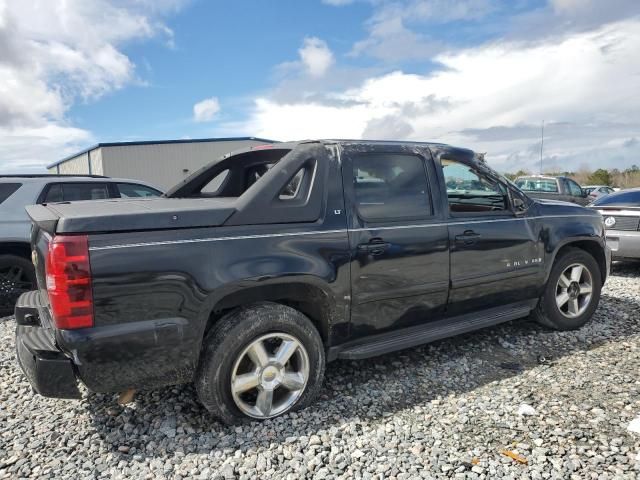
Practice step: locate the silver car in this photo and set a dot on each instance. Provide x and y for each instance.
(597, 191)
(621, 213)
(17, 191)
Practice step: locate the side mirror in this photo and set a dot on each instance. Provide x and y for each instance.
(585, 194)
(519, 205)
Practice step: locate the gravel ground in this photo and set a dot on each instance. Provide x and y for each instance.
(447, 409)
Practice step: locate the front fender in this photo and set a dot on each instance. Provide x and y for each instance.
(594, 245)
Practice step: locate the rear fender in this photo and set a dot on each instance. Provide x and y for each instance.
(306, 293)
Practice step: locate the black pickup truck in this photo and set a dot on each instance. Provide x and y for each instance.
(262, 266)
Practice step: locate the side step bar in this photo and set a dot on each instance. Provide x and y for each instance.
(380, 344)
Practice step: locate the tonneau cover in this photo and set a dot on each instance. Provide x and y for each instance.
(121, 215)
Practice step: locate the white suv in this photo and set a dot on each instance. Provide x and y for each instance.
(17, 191)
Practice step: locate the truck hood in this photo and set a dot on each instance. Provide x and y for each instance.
(558, 207)
(120, 215)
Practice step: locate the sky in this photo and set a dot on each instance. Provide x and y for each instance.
(482, 74)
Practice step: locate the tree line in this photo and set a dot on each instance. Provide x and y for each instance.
(627, 178)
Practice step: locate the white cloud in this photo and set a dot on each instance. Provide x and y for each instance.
(584, 85)
(571, 6)
(442, 11)
(54, 53)
(206, 109)
(316, 56)
(391, 39)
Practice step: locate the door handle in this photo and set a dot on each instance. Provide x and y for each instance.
(374, 247)
(469, 237)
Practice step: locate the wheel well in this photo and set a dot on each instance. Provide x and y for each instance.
(594, 249)
(16, 248)
(310, 300)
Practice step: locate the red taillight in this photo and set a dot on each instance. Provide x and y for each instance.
(69, 282)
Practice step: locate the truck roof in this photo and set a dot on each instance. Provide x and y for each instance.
(39, 177)
(292, 144)
(44, 179)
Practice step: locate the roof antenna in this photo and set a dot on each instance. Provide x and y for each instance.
(541, 145)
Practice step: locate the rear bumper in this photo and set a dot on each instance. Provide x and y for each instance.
(49, 371)
(623, 244)
(107, 358)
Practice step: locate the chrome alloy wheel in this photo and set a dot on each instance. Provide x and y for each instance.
(574, 290)
(269, 375)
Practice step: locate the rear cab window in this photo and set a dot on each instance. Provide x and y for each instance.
(545, 185)
(283, 183)
(391, 187)
(8, 189)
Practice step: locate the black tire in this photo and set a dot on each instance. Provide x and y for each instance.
(547, 311)
(227, 340)
(17, 275)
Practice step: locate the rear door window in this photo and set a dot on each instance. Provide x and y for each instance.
(71, 192)
(547, 185)
(8, 189)
(391, 187)
(54, 194)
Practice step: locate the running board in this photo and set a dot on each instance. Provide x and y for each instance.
(382, 343)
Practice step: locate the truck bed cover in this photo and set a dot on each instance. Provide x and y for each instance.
(129, 215)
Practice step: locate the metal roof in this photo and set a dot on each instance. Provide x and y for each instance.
(159, 142)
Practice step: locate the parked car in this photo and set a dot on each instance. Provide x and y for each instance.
(553, 188)
(16, 191)
(596, 191)
(264, 265)
(621, 212)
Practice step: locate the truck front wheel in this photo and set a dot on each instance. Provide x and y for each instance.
(260, 362)
(572, 293)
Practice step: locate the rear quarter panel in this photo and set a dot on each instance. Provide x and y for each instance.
(154, 294)
(155, 291)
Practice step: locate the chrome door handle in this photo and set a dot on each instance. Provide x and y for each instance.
(374, 248)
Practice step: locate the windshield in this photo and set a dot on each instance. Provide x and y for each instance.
(537, 184)
(621, 199)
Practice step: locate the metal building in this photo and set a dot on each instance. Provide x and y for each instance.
(161, 163)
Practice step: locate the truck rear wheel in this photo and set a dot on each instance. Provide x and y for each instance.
(260, 362)
(572, 293)
(17, 276)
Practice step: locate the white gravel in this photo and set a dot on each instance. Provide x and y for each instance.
(443, 410)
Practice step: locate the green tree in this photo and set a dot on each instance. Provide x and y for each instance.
(600, 177)
(519, 173)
